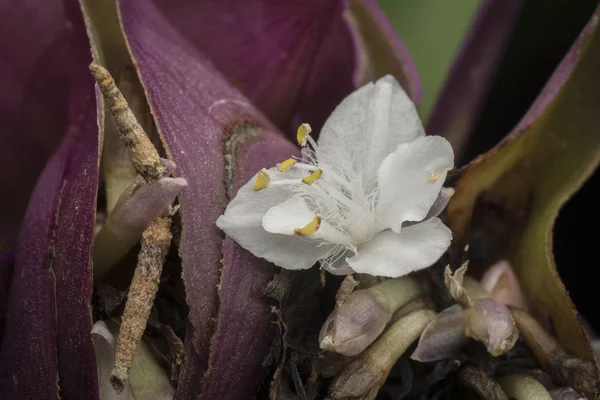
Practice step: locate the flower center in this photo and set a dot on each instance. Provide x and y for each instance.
(343, 213)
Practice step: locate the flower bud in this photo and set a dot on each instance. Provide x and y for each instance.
(364, 376)
(565, 393)
(137, 206)
(491, 323)
(486, 320)
(357, 322)
(355, 325)
(502, 283)
(443, 337)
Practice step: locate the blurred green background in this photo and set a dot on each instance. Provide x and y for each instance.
(432, 30)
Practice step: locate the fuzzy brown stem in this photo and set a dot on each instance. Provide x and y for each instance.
(156, 240)
(565, 368)
(143, 154)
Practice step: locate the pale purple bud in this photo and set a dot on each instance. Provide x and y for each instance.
(443, 337)
(138, 205)
(565, 393)
(491, 323)
(502, 283)
(355, 325)
(361, 318)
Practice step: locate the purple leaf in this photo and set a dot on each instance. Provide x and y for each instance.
(472, 73)
(218, 141)
(385, 53)
(246, 325)
(32, 106)
(293, 59)
(47, 349)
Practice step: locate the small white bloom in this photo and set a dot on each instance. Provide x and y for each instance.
(357, 197)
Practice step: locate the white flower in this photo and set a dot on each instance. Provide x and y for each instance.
(357, 197)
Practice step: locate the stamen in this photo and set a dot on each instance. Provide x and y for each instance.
(437, 173)
(309, 228)
(313, 177)
(286, 164)
(302, 134)
(434, 176)
(262, 180)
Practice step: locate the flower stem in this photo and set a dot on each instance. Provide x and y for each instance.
(396, 292)
(523, 387)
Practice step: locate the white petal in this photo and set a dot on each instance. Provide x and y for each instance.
(410, 180)
(242, 221)
(396, 254)
(440, 202)
(367, 126)
(285, 217)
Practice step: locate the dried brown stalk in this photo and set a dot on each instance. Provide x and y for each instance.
(155, 245)
(143, 154)
(156, 238)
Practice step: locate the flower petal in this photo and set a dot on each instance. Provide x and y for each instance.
(396, 254)
(368, 125)
(244, 219)
(285, 217)
(410, 180)
(440, 202)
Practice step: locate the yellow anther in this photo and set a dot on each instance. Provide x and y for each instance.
(286, 164)
(309, 228)
(313, 177)
(434, 176)
(262, 180)
(302, 134)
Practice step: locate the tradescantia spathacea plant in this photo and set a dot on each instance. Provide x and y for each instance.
(213, 148)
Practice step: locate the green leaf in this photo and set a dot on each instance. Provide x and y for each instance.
(534, 171)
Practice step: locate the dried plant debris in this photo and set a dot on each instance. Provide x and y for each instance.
(155, 245)
(565, 368)
(144, 156)
(156, 236)
(480, 383)
(299, 320)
